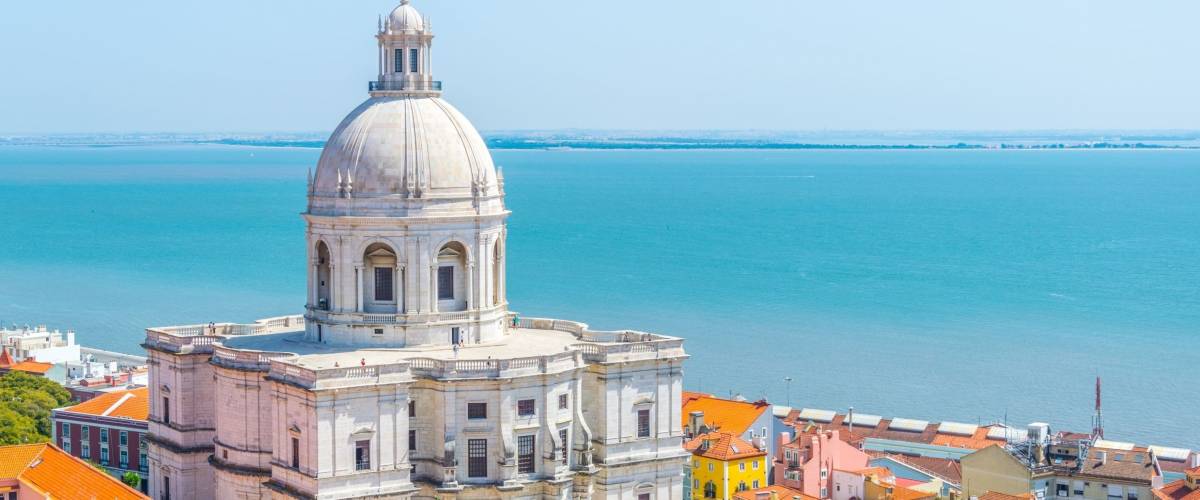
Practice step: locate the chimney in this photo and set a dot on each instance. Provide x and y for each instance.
(1102, 456)
(695, 423)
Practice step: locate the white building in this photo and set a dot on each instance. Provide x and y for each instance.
(408, 376)
(40, 344)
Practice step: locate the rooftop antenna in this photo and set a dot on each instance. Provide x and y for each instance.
(1098, 419)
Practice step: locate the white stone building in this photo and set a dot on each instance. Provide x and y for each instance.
(408, 376)
(39, 343)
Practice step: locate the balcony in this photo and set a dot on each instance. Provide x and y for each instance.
(403, 86)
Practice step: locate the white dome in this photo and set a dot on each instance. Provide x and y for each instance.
(406, 147)
(406, 18)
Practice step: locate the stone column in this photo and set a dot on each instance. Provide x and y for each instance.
(313, 277)
(398, 284)
(335, 296)
(471, 301)
(358, 288)
(433, 289)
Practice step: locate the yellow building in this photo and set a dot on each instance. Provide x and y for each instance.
(724, 464)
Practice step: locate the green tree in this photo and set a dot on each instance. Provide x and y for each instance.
(132, 479)
(25, 404)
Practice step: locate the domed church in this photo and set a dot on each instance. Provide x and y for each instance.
(407, 375)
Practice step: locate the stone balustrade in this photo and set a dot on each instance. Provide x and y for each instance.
(353, 317)
(200, 338)
(339, 377)
(608, 346)
(246, 360)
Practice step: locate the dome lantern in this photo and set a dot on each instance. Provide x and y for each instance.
(405, 43)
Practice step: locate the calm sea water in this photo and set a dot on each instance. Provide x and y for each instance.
(959, 285)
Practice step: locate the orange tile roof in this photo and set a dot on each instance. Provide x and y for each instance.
(722, 446)
(132, 404)
(30, 366)
(725, 415)
(1179, 490)
(781, 492)
(902, 493)
(15, 458)
(977, 441)
(56, 474)
(995, 495)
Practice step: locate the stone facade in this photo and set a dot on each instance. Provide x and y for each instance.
(408, 376)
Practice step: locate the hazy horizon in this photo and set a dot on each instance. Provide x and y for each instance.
(779, 65)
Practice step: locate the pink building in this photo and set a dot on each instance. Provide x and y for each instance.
(807, 462)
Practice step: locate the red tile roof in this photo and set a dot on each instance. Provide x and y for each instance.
(942, 468)
(722, 446)
(725, 415)
(53, 473)
(132, 404)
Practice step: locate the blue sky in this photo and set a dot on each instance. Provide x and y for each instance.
(300, 65)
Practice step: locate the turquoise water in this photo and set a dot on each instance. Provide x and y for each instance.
(959, 285)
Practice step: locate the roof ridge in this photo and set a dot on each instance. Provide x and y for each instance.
(120, 401)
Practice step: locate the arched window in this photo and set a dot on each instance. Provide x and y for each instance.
(322, 277)
(381, 290)
(710, 490)
(450, 278)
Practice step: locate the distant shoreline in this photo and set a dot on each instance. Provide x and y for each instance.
(627, 143)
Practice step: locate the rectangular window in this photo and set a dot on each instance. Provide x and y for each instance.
(143, 464)
(166, 488)
(755, 486)
(383, 284)
(562, 436)
(414, 61)
(362, 455)
(1062, 490)
(103, 436)
(525, 408)
(643, 423)
(295, 453)
(166, 416)
(525, 454)
(85, 433)
(66, 430)
(477, 458)
(66, 446)
(412, 440)
(446, 283)
(124, 459)
(412, 408)
(124, 438)
(103, 456)
(741, 466)
(85, 450)
(563, 401)
(644, 496)
(476, 411)
(398, 60)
